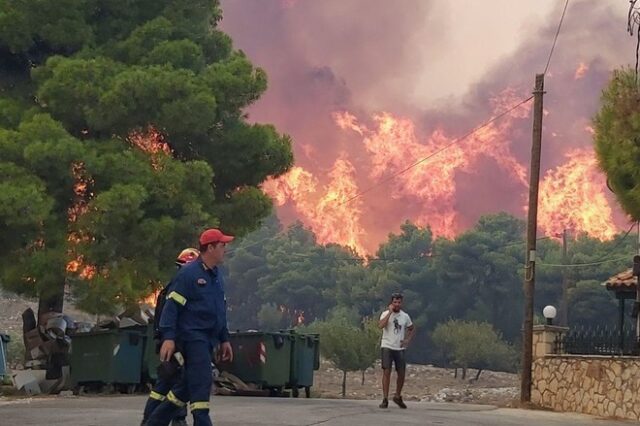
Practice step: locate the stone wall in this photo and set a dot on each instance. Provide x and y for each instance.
(596, 385)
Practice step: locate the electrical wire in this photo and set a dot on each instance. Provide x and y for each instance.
(577, 265)
(436, 152)
(390, 259)
(602, 259)
(555, 38)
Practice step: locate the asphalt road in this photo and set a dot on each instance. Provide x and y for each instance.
(236, 411)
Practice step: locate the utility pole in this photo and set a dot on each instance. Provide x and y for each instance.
(530, 256)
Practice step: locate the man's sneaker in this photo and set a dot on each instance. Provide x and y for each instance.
(399, 402)
(179, 422)
(384, 403)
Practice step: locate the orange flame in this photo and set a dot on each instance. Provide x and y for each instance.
(581, 71)
(82, 183)
(326, 211)
(151, 298)
(297, 185)
(392, 145)
(572, 196)
(432, 183)
(151, 141)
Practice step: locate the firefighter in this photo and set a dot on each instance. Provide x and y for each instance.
(193, 322)
(163, 386)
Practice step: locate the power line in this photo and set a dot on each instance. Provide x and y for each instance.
(602, 259)
(422, 160)
(614, 248)
(633, 21)
(555, 39)
(577, 265)
(386, 258)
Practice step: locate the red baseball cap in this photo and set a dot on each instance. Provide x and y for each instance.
(214, 235)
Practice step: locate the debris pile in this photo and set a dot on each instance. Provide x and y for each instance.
(48, 344)
(228, 384)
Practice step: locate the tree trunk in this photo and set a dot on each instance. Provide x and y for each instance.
(363, 377)
(50, 302)
(344, 383)
(464, 373)
(455, 373)
(478, 374)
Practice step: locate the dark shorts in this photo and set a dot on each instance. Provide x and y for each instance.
(390, 356)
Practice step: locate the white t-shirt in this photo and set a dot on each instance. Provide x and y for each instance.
(395, 330)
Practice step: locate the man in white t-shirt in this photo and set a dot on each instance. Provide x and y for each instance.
(397, 332)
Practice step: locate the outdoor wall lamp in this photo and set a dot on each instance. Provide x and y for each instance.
(549, 312)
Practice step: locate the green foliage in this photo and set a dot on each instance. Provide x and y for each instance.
(344, 315)
(349, 347)
(301, 273)
(475, 278)
(15, 350)
(247, 263)
(77, 79)
(482, 266)
(617, 132)
(270, 318)
(470, 344)
(592, 305)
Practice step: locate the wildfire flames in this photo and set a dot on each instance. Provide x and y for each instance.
(81, 190)
(151, 299)
(391, 145)
(151, 142)
(572, 196)
(324, 204)
(581, 71)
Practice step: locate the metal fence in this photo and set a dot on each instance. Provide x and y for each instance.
(598, 341)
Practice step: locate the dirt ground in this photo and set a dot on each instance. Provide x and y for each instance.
(423, 383)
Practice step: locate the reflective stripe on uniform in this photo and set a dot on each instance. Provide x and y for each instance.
(177, 297)
(174, 400)
(157, 396)
(199, 405)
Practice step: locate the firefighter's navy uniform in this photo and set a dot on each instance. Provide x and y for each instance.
(194, 316)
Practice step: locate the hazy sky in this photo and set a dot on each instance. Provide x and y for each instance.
(478, 34)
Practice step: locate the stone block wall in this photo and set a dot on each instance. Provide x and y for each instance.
(596, 385)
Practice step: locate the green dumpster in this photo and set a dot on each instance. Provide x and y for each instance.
(261, 358)
(4, 341)
(305, 359)
(107, 357)
(150, 358)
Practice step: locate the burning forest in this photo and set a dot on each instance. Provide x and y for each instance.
(357, 137)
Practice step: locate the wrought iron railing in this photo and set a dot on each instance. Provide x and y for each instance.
(597, 341)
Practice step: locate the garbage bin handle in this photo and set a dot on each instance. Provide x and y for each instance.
(278, 341)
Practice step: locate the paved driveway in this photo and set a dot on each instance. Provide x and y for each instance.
(237, 411)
